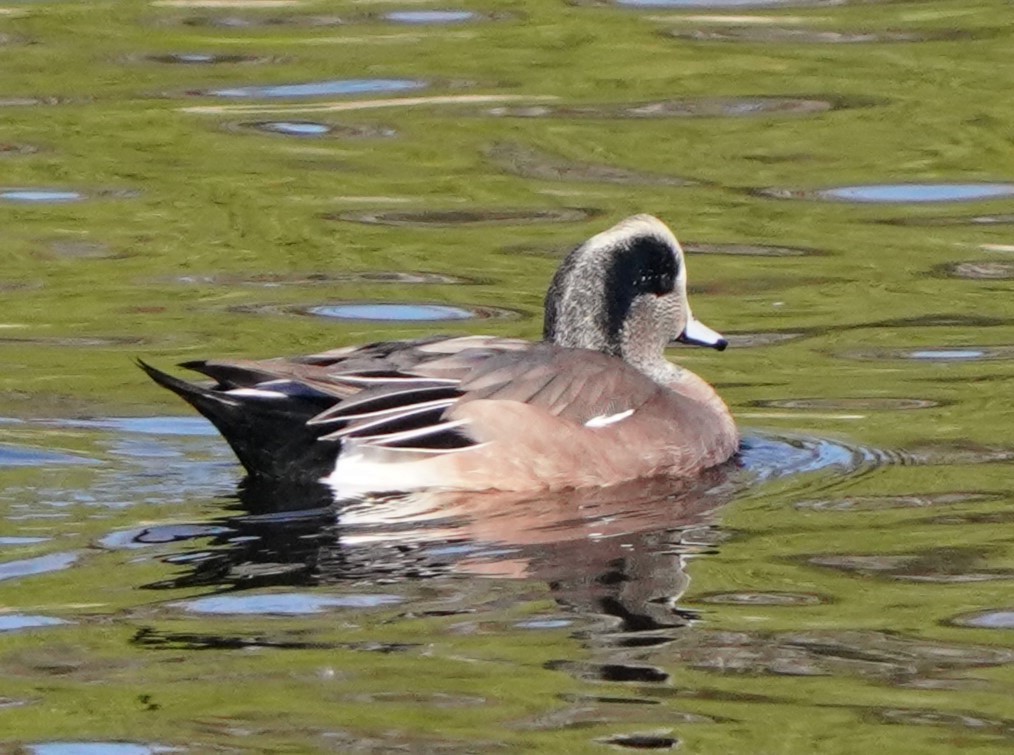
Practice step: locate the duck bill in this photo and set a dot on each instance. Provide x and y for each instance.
(697, 333)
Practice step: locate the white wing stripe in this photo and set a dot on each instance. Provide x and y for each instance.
(603, 420)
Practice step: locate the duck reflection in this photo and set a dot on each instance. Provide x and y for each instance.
(617, 552)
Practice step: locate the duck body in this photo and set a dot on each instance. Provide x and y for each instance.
(595, 403)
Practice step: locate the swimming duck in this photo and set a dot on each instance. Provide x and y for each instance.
(594, 403)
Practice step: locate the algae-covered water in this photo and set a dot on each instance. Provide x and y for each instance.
(186, 178)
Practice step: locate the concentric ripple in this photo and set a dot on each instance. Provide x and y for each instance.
(770, 456)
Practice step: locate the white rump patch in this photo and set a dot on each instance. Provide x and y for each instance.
(604, 420)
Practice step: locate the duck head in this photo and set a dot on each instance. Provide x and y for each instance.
(624, 292)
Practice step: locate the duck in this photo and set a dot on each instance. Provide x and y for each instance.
(595, 403)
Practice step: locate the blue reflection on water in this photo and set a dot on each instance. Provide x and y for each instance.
(97, 748)
(990, 620)
(188, 426)
(888, 193)
(429, 16)
(15, 621)
(295, 128)
(27, 456)
(321, 88)
(284, 603)
(40, 195)
(40, 565)
(947, 354)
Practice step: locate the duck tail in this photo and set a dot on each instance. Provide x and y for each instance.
(268, 434)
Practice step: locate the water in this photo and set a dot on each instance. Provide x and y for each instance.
(340, 87)
(844, 586)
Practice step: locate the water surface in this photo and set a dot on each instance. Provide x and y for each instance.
(843, 586)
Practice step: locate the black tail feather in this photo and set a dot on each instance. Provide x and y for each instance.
(270, 437)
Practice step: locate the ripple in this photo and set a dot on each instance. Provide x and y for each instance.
(645, 741)
(719, 3)
(984, 270)
(754, 340)
(1000, 619)
(73, 342)
(13, 622)
(427, 17)
(700, 107)
(314, 129)
(81, 250)
(748, 250)
(773, 456)
(789, 35)
(530, 163)
(33, 101)
(952, 220)
(886, 502)
(611, 672)
(881, 656)
(288, 604)
(144, 537)
(440, 218)
(276, 280)
(867, 403)
(923, 717)
(764, 598)
(943, 354)
(943, 453)
(898, 193)
(10, 149)
(331, 88)
(324, 21)
(394, 312)
(199, 58)
(40, 565)
(942, 565)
